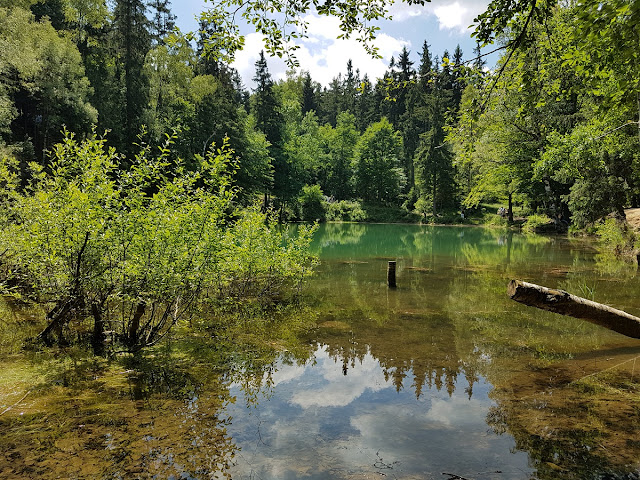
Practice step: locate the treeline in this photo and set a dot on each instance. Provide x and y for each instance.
(123, 71)
(551, 128)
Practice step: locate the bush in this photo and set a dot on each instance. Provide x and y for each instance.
(389, 214)
(263, 261)
(536, 222)
(345, 211)
(591, 199)
(424, 208)
(615, 237)
(135, 250)
(312, 204)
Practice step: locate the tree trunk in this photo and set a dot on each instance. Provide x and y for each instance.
(638, 99)
(559, 301)
(510, 207)
(434, 191)
(57, 317)
(134, 326)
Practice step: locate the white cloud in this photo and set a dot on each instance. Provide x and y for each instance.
(321, 53)
(456, 411)
(364, 434)
(455, 16)
(287, 374)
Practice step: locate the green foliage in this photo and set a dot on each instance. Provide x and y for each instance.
(282, 22)
(388, 214)
(590, 199)
(42, 83)
(132, 42)
(303, 148)
(424, 206)
(596, 169)
(263, 262)
(345, 211)
(255, 170)
(340, 143)
(136, 250)
(615, 237)
(379, 177)
(536, 222)
(312, 204)
(553, 128)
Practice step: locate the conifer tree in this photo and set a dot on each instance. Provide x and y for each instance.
(405, 106)
(332, 101)
(426, 67)
(133, 41)
(309, 101)
(458, 79)
(162, 20)
(270, 121)
(478, 61)
(265, 106)
(207, 64)
(366, 106)
(349, 89)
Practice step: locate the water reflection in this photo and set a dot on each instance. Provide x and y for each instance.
(450, 319)
(318, 423)
(443, 375)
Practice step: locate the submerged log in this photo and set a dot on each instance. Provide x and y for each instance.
(559, 301)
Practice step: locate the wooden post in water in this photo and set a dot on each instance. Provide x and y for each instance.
(391, 274)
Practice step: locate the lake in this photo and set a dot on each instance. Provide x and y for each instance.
(442, 377)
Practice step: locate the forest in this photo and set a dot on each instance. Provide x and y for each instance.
(552, 128)
(139, 174)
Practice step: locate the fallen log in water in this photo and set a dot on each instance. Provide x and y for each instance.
(559, 301)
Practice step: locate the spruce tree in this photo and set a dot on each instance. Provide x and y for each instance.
(269, 120)
(478, 61)
(133, 41)
(308, 95)
(405, 66)
(366, 107)
(265, 106)
(207, 65)
(162, 20)
(349, 90)
(332, 101)
(426, 67)
(458, 79)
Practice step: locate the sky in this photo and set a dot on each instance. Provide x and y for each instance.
(442, 23)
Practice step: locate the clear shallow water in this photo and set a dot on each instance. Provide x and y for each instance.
(443, 376)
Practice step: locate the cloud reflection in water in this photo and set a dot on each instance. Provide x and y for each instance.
(317, 422)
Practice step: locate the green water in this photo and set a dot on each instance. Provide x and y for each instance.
(441, 377)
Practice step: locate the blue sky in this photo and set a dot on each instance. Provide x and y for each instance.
(442, 23)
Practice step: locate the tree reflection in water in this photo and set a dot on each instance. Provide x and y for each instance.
(442, 374)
